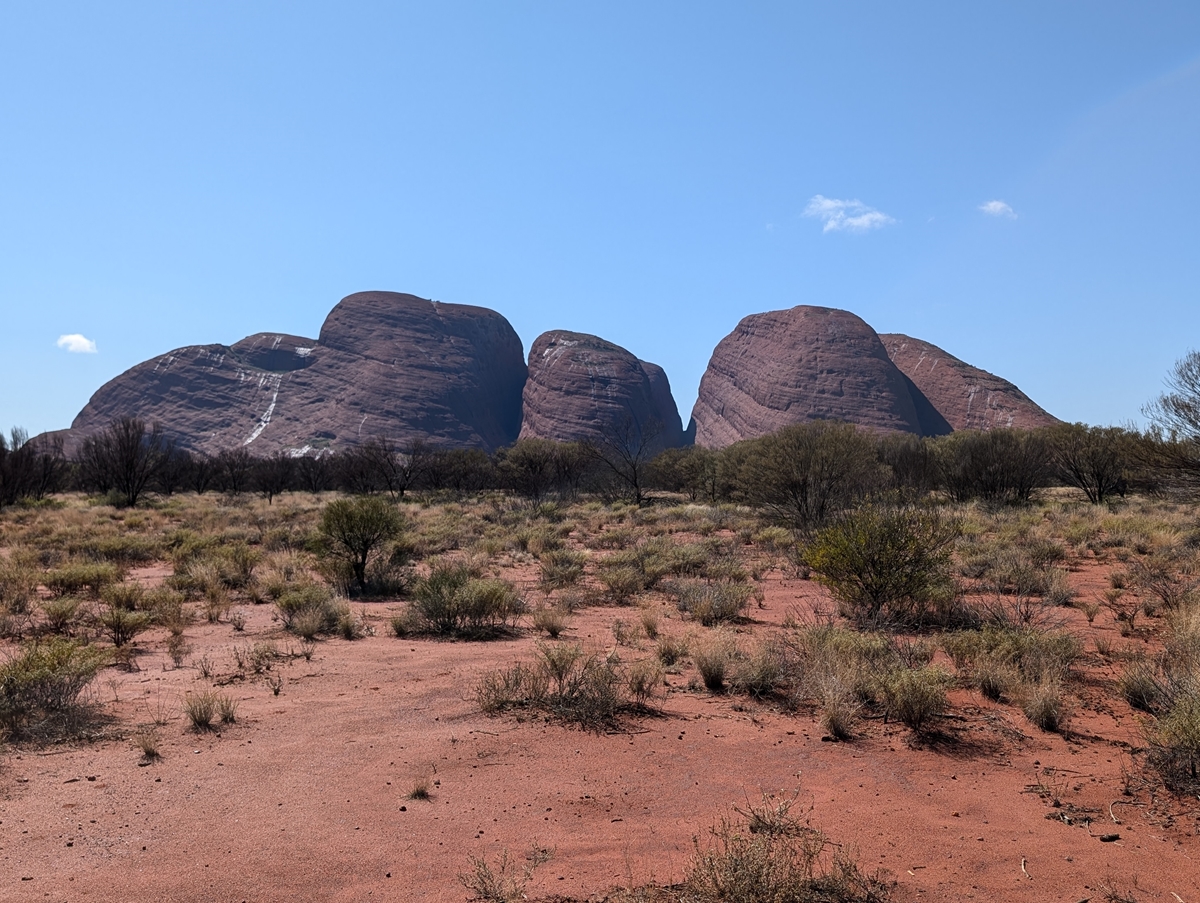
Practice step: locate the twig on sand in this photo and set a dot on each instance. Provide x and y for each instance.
(1023, 869)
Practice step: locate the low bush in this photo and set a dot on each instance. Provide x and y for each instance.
(671, 649)
(1175, 742)
(711, 603)
(43, 682)
(201, 709)
(61, 614)
(127, 596)
(308, 610)
(564, 682)
(74, 579)
(742, 865)
(887, 565)
(713, 660)
(561, 568)
(1045, 706)
(121, 625)
(1035, 655)
(451, 601)
(760, 673)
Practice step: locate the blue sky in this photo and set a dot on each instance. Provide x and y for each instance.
(183, 173)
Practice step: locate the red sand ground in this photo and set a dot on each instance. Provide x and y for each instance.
(304, 798)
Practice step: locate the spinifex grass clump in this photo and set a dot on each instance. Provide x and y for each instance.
(776, 858)
(569, 684)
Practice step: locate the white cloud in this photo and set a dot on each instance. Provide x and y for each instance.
(998, 208)
(850, 216)
(77, 344)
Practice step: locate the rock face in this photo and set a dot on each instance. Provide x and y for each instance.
(967, 397)
(581, 387)
(385, 364)
(806, 363)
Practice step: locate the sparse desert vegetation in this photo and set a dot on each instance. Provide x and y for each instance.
(918, 633)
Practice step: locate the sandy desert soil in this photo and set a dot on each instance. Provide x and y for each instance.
(305, 797)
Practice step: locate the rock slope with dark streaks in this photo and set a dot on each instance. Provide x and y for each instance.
(385, 364)
(967, 397)
(805, 363)
(582, 387)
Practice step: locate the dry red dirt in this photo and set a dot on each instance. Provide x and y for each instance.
(305, 797)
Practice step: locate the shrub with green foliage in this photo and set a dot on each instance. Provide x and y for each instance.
(355, 530)
(74, 578)
(44, 680)
(308, 609)
(452, 601)
(887, 564)
(915, 696)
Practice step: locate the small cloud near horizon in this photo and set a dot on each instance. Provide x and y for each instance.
(998, 208)
(848, 216)
(77, 344)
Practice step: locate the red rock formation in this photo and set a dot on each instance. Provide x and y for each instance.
(791, 366)
(967, 397)
(385, 364)
(582, 387)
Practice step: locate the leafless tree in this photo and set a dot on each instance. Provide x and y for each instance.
(624, 454)
(124, 457)
(1172, 447)
(1092, 458)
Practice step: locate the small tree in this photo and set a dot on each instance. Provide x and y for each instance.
(355, 529)
(124, 457)
(886, 564)
(528, 467)
(1173, 446)
(234, 470)
(804, 474)
(624, 454)
(274, 475)
(1091, 458)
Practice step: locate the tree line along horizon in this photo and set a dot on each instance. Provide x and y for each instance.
(803, 473)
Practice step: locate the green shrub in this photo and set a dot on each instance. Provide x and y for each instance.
(886, 564)
(711, 603)
(60, 614)
(42, 681)
(127, 596)
(451, 601)
(122, 625)
(353, 531)
(308, 609)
